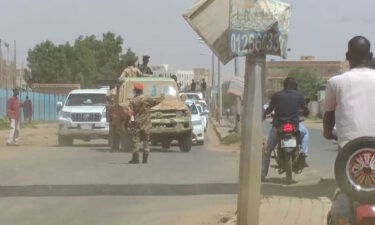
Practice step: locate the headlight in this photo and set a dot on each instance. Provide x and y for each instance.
(66, 115)
(196, 122)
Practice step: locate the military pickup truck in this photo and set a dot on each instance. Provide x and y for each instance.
(171, 119)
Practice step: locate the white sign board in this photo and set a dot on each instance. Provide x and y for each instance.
(259, 27)
(237, 86)
(210, 20)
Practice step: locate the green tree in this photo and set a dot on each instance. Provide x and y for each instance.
(84, 62)
(308, 82)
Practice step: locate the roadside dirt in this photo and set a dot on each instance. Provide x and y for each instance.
(36, 135)
(215, 144)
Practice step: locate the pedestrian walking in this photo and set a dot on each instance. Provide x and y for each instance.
(204, 88)
(140, 123)
(27, 107)
(227, 113)
(13, 113)
(193, 85)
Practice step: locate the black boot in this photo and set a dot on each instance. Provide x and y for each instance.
(135, 159)
(145, 157)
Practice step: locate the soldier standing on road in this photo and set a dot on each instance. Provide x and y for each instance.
(130, 71)
(13, 113)
(144, 66)
(140, 123)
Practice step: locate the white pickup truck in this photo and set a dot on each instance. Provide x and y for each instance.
(83, 116)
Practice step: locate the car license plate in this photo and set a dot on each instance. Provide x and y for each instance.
(289, 143)
(86, 126)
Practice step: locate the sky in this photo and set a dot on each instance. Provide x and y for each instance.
(320, 28)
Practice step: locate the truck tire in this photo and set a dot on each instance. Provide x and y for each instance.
(185, 143)
(115, 142)
(354, 169)
(65, 140)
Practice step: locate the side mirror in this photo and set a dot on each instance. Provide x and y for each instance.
(183, 98)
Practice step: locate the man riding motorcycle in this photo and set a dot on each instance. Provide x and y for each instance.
(287, 105)
(350, 105)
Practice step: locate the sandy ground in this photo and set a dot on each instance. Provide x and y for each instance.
(36, 135)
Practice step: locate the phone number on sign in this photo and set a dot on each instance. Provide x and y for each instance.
(269, 42)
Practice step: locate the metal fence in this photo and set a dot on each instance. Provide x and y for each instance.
(44, 105)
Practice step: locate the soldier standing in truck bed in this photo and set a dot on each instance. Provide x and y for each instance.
(140, 123)
(144, 66)
(130, 71)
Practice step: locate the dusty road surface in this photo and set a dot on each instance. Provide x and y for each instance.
(44, 184)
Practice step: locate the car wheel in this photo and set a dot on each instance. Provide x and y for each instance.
(65, 140)
(185, 143)
(355, 169)
(200, 142)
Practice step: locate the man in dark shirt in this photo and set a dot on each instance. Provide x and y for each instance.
(193, 85)
(287, 105)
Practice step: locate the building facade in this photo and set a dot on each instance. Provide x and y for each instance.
(277, 71)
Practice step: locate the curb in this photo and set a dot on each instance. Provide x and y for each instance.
(214, 123)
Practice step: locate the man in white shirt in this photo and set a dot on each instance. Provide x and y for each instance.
(350, 104)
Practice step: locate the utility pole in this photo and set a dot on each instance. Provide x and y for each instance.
(15, 65)
(237, 126)
(1, 66)
(251, 143)
(212, 82)
(6, 66)
(220, 94)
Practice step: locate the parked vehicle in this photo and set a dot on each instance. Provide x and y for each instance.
(83, 116)
(192, 96)
(171, 119)
(354, 202)
(287, 151)
(198, 127)
(204, 115)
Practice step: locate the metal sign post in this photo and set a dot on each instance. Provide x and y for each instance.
(257, 28)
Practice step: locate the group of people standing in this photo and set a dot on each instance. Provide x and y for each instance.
(13, 113)
(203, 85)
(131, 70)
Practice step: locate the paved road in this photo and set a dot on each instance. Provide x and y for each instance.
(87, 184)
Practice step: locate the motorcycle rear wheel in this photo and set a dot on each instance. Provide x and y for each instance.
(288, 167)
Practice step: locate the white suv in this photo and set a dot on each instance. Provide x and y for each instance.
(83, 116)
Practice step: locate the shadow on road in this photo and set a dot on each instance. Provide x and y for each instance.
(325, 188)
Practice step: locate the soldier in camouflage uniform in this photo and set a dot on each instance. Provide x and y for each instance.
(140, 123)
(144, 66)
(130, 71)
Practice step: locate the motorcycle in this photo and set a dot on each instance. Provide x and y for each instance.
(287, 152)
(354, 202)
